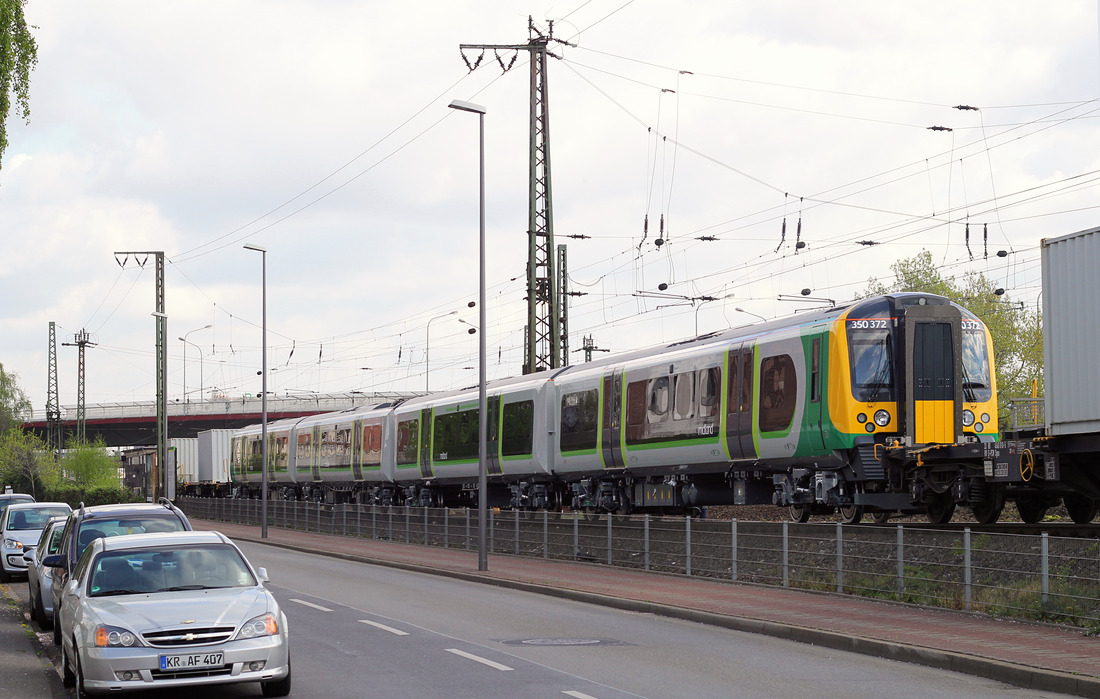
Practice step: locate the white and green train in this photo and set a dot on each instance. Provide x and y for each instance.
(880, 406)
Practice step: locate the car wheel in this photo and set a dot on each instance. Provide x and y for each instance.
(32, 605)
(278, 688)
(68, 677)
(5, 576)
(80, 691)
(44, 622)
(56, 631)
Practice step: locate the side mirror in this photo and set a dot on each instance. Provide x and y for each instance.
(28, 556)
(56, 560)
(263, 574)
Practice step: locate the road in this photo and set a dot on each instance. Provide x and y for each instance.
(365, 631)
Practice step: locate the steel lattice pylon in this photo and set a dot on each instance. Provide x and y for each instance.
(53, 402)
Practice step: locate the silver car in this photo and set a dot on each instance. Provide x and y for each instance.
(39, 577)
(20, 528)
(169, 609)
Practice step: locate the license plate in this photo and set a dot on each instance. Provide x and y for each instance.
(191, 661)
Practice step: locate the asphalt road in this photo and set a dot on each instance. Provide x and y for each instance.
(365, 631)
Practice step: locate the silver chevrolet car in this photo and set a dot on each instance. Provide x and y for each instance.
(169, 609)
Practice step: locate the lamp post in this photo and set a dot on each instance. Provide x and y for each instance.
(427, 346)
(186, 342)
(742, 310)
(263, 397)
(482, 407)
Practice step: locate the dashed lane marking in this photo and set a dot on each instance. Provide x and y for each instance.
(479, 659)
(310, 604)
(578, 695)
(375, 624)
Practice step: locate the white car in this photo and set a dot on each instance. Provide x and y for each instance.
(20, 529)
(170, 609)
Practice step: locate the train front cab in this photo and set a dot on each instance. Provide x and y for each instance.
(918, 395)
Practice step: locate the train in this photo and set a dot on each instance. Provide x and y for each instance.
(881, 406)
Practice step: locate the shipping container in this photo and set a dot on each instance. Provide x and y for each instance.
(187, 456)
(1071, 332)
(213, 461)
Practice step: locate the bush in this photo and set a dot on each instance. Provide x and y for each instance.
(74, 495)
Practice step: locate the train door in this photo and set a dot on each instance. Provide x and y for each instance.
(493, 467)
(357, 450)
(933, 353)
(611, 419)
(812, 419)
(426, 445)
(739, 397)
(315, 454)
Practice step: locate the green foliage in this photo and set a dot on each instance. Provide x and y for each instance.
(26, 464)
(74, 495)
(18, 57)
(1017, 331)
(89, 466)
(15, 406)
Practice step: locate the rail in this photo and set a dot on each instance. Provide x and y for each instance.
(1038, 577)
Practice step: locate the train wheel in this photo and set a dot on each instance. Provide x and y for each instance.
(941, 509)
(1032, 508)
(1081, 508)
(880, 517)
(850, 514)
(988, 511)
(799, 513)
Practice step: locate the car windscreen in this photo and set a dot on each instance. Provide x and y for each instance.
(168, 569)
(31, 519)
(99, 527)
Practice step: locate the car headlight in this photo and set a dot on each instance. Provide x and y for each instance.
(13, 544)
(882, 418)
(968, 418)
(114, 637)
(266, 625)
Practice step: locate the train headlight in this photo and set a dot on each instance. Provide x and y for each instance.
(882, 418)
(861, 418)
(968, 418)
(985, 417)
(978, 427)
(870, 427)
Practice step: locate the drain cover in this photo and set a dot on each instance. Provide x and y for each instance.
(564, 642)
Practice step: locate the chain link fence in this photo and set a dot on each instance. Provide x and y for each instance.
(1043, 578)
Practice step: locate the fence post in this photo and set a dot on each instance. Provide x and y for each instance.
(839, 557)
(1046, 567)
(344, 511)
(576, 536)
(645, 537)
(966, 566)
(733, 549)
(609, 518)
(446, 527)
(468, 511)
(786, 556)
(426, 508)
(408, 516)
(545, 534)
(389, 523)
(492, 531)
(901, 559)
(687, 548)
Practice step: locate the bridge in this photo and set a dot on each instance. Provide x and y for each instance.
(135, 424)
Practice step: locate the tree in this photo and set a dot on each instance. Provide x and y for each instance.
(18, 57)
(89, 465)
(26, 464)
(1017, 331)
(15, 407)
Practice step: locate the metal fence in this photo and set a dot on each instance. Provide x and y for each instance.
(1036, 577)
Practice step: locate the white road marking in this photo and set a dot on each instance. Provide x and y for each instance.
(578, 695)
(310, 604)
(375, 624)
(478, 659)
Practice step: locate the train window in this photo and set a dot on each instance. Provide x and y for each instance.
(305, 440)
(518, 429)
(636, 399)
(870, 350)
(778, 393)
(709, 381)
(408, 438)
(684, 393)
(580, 415)
(658, 398)
(455, 436)
(977, 385)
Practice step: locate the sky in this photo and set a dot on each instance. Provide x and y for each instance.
(319, 130)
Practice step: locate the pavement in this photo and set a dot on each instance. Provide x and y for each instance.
(1033, 656)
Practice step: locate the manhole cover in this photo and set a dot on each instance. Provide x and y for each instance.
(564, 642)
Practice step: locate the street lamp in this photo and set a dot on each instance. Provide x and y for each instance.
(742, 310)
(263, 397)
(186, 342)
(482, 406)
(427, 344)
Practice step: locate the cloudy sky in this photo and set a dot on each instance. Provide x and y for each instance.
(320, 131)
